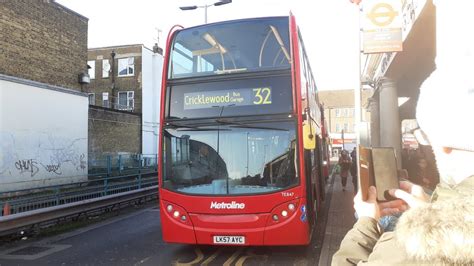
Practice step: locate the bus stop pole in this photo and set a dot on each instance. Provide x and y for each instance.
(357, 97)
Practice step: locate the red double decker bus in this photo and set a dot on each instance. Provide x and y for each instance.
(240, 135)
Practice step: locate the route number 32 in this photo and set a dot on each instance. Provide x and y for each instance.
(262, 96)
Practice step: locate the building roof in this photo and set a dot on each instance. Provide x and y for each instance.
(341, 98)
(117, 46)
(70, 11)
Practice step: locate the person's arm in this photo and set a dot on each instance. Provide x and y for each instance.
(358, 242)
(361, 239)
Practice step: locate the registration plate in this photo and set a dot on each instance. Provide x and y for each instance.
(232, 240)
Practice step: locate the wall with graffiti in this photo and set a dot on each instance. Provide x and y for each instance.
(43, 136)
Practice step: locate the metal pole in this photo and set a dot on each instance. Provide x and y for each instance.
(205, 14)
(120, 164)
(357, 100)
(248, 154)
(57, 195)
(109, 171)
(140, 161)
(342, 136)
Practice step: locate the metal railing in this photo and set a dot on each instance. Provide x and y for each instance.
(108, 175)
(12, 224)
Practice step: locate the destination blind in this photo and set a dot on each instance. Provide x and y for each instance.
(234, 97)
(239, 97)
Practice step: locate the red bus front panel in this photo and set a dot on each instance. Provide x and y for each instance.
(250, 226)
(267, 221)
(174, 229)
(288, 231)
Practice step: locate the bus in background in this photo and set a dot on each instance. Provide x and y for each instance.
(240, 135)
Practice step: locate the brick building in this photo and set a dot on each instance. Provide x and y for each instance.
(125, 88)
(44, 114)
(42, 41)
(340, 116)
(115, 74)
(117, 79)
(113, 132)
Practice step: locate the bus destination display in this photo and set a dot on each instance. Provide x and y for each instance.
(235, 97)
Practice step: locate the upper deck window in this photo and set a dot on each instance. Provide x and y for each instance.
(238, 46)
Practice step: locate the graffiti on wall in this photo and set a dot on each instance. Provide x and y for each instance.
(82, 163)
(43, 156)
(29, 166)
(53, 168)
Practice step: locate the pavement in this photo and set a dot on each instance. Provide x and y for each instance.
(340, 218)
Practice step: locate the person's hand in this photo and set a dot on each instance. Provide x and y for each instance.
(392, 207)
(368, 208)
(413, 195)
(372, 208)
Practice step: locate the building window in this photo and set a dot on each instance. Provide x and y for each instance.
(125, 100)
(344, 112)
(105, 68)
(346, 127)
(126, 67)
(105, 100)
(337, 127)
(338, 112)
(91, 98)
(91, 69)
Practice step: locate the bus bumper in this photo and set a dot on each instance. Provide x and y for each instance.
(256, 229)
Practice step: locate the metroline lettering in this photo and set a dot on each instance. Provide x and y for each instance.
(222, 205)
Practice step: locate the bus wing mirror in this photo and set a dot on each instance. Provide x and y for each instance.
(309, 139)
(304, 116)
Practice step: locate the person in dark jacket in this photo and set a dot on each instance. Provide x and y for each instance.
(354, 168)
(345, 165)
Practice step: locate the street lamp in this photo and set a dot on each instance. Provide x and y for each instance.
(219, 3)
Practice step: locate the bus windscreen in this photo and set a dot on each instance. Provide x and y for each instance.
(226, 48)
(230, 158)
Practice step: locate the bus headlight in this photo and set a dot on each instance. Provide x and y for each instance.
(283, 212)
(176, 212)
(291, 207)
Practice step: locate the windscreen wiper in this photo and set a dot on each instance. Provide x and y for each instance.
(228, 71)
(179, 127)
(243, 125)
(204, 129)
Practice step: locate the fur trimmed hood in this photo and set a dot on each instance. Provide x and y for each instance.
(439, 232)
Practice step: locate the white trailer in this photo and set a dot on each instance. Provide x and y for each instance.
(43, 134)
